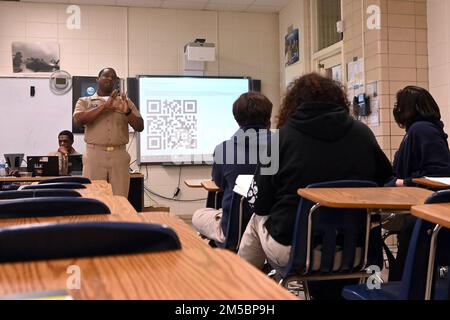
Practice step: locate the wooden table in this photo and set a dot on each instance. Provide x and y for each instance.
(135, 196)
(439, 214)
(431, 184)
(116, 204)
(196, 272)
(194, 183)
(100, 186)
(364, 198)
(396, 198)
(210, 186)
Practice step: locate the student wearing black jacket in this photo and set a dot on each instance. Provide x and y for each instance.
(318, 141)
(423, 152)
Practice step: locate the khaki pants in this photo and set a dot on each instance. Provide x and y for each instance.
(207, 222)
(257, 245)
(112, 166)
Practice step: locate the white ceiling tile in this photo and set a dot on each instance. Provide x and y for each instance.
(271, 3)
(233, 2)
(139, 3)
(183, 4)
(94, 2)
(226, 7)
(262, 9)
(216, 5)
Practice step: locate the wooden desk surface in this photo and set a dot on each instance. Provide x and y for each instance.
(189, 239)
(370, 198)
(194, 183)
(116, 204)
(24, 179)
(135, 175)
(430, 183)
(100, 186)
(210, 186)
(438, 213)
(195, 272)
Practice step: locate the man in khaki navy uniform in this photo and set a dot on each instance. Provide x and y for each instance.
(106, 116)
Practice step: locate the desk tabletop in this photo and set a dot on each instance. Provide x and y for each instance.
(195, 272)
(430, 183)
(97, 186)
(188, 238)
(367, 198)
(438, 213)
(194, 183)
(135, 175)
(210, 186)
(116, 204)
(24, 179)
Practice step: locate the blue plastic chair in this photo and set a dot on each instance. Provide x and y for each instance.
(56, 185)
(69, 240)
(21, 194)
(51, 206)
(82, 180)
(331, 243)
(413, 283)
(214, 199)
(240, 214)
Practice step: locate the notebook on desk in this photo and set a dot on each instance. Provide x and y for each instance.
(43, 166)
(242, 184)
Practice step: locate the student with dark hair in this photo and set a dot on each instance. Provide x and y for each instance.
(423, 152)
(252, 112)
(65, 141)
(318, 141)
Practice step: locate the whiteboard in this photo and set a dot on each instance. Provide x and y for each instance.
(30, 125)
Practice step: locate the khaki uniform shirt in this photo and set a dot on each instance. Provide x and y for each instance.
(110, 128)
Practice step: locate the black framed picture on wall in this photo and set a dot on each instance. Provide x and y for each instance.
(291, 48)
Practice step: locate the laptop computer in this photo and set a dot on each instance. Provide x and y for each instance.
(43, 166)
(75, 165)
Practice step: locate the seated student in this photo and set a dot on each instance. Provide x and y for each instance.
(424, 151)
(318, 141)
(65, 141)
(252, 112)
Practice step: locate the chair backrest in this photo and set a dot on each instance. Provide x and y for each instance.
(337, 237)
(214, 199)
(20, 194)
(240, 214)
(416, 265)
(67, 240)
(51, 206)
(82, 180)
(56, 185)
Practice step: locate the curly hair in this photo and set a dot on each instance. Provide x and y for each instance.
(311, 87)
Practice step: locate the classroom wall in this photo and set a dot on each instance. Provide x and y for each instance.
(150, 41)
(293, 17)
(439, 56)
(394, 56)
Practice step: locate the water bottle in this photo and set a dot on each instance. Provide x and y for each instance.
(2, 168)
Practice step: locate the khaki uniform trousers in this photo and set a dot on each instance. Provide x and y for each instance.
(257, 245)
(112, 166)
(207, 222)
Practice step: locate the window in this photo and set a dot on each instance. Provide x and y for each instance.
(328, 13)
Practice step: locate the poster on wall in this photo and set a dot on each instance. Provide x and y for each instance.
(291, 48)
(31, 57)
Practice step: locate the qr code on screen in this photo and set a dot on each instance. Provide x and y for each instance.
(171, 124)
